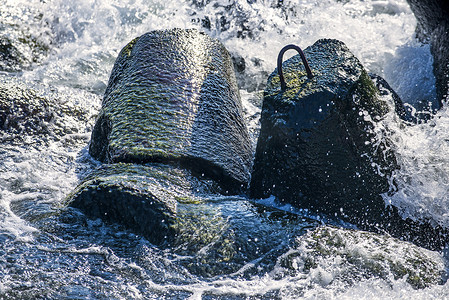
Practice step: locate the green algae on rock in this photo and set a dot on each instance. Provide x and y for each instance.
(143, 198)
(172, 97)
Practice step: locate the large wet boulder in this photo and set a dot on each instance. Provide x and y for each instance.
(171, 127)
(433, 26)
(323, 146)
(172, 97)
(318, 146)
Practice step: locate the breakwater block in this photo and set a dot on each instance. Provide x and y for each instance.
(433, 26)
(143, 198)
(321, 146)
(172, 98)
(318, 148)
(171, 124)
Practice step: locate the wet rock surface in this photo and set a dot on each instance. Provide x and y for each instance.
(433, 26)
(384, 89)
(173, 209)
(171, 130)
(317, 147)
(132, 195)
(322, 148)
(172, 97)
(25, 37)
(28, 117)
(23, 112)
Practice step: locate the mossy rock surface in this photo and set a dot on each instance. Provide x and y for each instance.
(318, 147)
(172, 97)
(143, 198)
(352, 255)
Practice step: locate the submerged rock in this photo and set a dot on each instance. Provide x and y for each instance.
(143, 198)
(170, 207)
(31, 116)
(329, 254)
(23, 112)
(25, 37)
(318, 148)
(172, 97)
(433, 26)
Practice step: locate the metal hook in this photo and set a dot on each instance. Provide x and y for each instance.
(304, 61)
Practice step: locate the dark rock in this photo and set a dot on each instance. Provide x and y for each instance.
(317, 147)
(142, 198)
(239, 63)
(22, 111)
(385, 90)
(172, 130)
(172, 97)
(25, 38)
(10, 56)
(30, 115)
(433, 26)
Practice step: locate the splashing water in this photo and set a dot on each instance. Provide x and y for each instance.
(66, 50)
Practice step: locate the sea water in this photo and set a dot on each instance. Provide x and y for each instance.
(67, 54)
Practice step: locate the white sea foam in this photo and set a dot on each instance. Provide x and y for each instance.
(422, 180)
